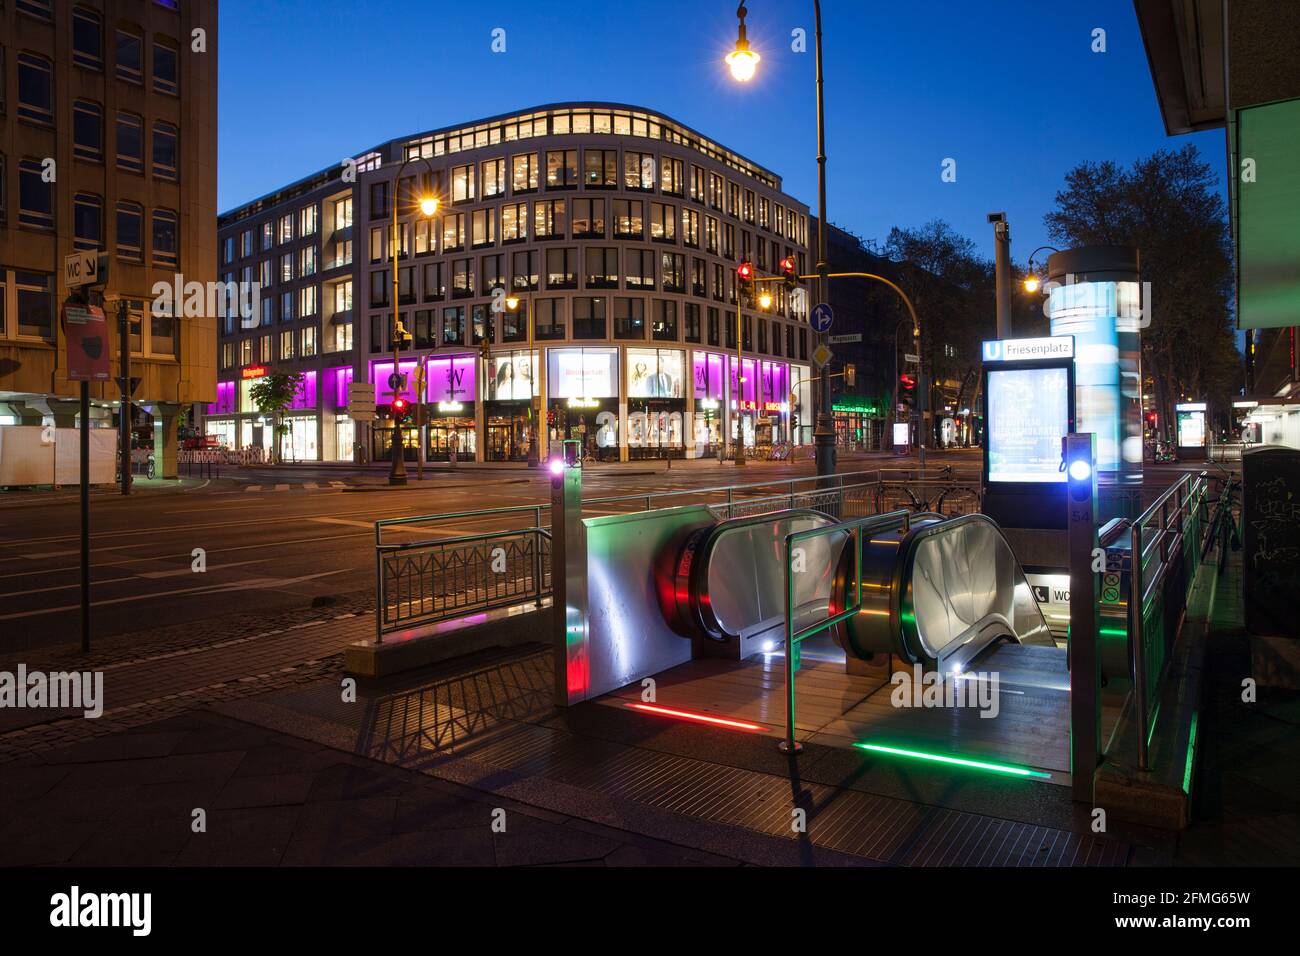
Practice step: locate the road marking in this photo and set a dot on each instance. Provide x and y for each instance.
(409, 529)
(253, 488)
(281, 487)
(252, 584)
(308, 485)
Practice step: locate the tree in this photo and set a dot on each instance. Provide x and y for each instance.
(272, 394)
(1169, 206)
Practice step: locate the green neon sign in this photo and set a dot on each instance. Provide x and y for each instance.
(862, 407)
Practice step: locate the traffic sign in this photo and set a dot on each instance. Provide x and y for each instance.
(821, 318)
(821, 355)
(397, 381)
(847, 338)
(86, 342)
(914, 359)
(361, 401)
(84, 268)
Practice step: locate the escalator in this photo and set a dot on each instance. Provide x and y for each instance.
(938, 594)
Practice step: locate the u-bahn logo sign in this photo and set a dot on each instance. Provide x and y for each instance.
(1027, 350)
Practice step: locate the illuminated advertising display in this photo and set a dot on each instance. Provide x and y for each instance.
(511, 378)
(655, 373)
(582, 373)
(1191, 425)
(1028, 411)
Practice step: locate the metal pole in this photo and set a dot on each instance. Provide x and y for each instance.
(124, 410)
(85, 516)
(534, 400)
(1135, 642)
(824, 433)
(397, 467)
(740, 371)
(1002, 275)
(422, 385)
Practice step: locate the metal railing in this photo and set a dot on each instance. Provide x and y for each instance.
(428, 580)
(1169, 534)
(855, 528)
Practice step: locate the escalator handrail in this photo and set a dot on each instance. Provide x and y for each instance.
(907, 549)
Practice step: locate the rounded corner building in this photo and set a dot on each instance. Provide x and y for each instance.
(575, 281)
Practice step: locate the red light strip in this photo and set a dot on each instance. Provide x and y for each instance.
(702, 718)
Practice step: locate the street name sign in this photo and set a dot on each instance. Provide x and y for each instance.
(845, 339)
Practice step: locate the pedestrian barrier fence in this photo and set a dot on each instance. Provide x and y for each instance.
(1165, 551)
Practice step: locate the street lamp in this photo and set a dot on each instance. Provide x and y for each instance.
(1032, 282)
(743, 63)
(534, 418)
(428, 206)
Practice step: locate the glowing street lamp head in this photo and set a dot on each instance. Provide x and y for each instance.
(429, 205)
(1032, 284)
(512, 302)
(765, 300)
(743, 62)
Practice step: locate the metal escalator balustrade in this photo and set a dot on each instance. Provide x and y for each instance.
(940, 592)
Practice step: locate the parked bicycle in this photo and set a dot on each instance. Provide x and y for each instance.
(1225, 523)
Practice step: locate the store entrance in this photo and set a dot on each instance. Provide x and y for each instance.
(445, 436)
(594, 427)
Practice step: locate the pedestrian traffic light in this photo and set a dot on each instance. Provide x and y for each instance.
(850, 375)
(906, 389)
(745, 281)
(789, 272)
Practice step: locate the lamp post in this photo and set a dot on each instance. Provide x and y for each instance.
(1032, 282)
(534, 418)
(428, 208)
(743, 63)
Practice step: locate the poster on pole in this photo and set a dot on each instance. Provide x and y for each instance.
(86, 342)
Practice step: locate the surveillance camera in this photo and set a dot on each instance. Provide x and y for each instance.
(997, 217)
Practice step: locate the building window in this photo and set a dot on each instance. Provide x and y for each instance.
(87, 39)
(165, 245)
(309, 341)
(601, 270)
(453, 325)
(589, 320)
(697, 185)
(462, 184)
(629, 318)
(88, 131)
(514, 222)
(286, 228)
(589, 219)
(640, 268)
(165, 156)
(691, 228)
(267, 273)
(35, 84)
(663, 327)
(341, 340)
(482, 326)
(343, 213)
(453, 233)
(130, 57)
(699, 274)
(87, 221)
(561, 169)
(548, 319)
(435, 289)
(600, 168)
(462, 279)
(523, 173)
(663, 222)
(307, 261)
(43, 9)
(493, 172)
(549, 219)
(307, 301)
(672, 178)
(35, 305)
(246, 352)
(379, 287)
(130, 142)
(286, 267)
(287, 350)
(691, 321)
(638, 171)
(493, 273)
(307, 220)
(379, 200)
(672, 267)
(523, 271)
(164, 68)
(130, 232)
(560, 269)
(343, 297)
(35, 196)
(483, 227)
(268, 235)
(629, 219)
(286, 306)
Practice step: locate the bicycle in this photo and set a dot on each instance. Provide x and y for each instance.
(1224, 523)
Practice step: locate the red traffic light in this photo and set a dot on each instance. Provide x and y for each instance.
(400, 405)
(907, 381)
(787, 264)
(746, 271)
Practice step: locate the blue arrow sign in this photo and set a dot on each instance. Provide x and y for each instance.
(822, 316)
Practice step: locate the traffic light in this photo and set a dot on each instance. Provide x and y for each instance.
(906, 389)
(789, 272)
(400, 407)
(745, 282)
(850, 375)
(485, 350)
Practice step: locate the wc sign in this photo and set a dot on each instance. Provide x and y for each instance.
(1029, 350)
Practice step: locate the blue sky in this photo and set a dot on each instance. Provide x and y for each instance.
(1010, 89)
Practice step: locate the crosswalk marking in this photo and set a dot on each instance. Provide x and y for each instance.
(253, 488)
(281, 487)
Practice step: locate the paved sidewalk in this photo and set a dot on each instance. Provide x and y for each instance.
(268, 799)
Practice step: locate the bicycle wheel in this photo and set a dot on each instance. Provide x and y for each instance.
(958, 501)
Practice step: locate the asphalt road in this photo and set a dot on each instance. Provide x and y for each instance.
(274, 539)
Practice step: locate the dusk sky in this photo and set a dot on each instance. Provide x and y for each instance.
(1010, 89)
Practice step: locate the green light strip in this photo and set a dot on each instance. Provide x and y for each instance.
(1191, 751)
(959, 761)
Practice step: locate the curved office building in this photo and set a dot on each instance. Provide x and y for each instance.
(613, 230)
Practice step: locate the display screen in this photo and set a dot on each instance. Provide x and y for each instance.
(655, 373)
(1028, 415)
(1191, 429)
(583, 373)
(511, 377)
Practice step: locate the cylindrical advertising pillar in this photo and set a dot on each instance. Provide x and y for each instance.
(1094, 294)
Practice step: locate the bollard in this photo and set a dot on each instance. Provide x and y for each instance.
(1085, 597)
